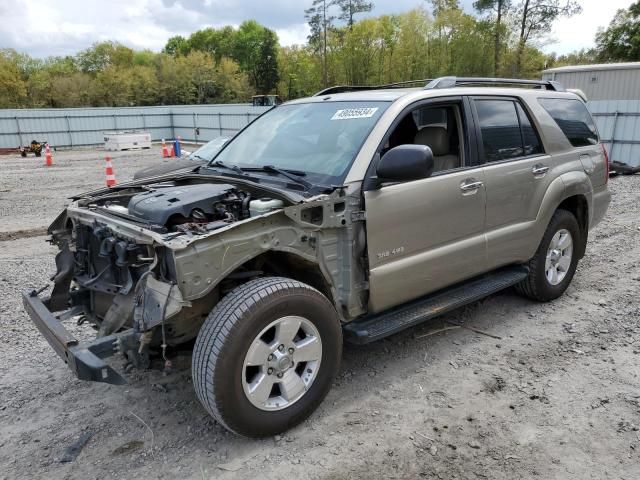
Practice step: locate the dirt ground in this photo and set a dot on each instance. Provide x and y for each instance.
(32, 195)
(556, 397)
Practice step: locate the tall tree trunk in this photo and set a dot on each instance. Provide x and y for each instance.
(522, 41)
(324, 52)
(496, 53)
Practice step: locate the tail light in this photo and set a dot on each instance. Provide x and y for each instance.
(606, 163)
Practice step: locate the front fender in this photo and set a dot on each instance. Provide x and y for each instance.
(204, 263)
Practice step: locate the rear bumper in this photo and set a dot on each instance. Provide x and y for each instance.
(84, 360)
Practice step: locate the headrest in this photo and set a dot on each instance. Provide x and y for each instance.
(434, 137)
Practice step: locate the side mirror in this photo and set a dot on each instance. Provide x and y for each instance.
(404, 163)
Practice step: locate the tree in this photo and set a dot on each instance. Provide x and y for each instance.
(13, 89)
(177, 45)
(175, 88)
(536, 19)
(440, 6)
(231, 83)
(499, 7)
(102, 55)
(144, 86)
(350, 8)
(320, 21)
(256, 51)
(200, 69)
(299, 73)
(71, 90)
(621, 40)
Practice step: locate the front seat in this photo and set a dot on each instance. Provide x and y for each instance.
(437, 139)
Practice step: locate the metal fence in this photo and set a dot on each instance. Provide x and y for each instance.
(73, 127)
(618, 123)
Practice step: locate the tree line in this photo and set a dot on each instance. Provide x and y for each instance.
(500, 38)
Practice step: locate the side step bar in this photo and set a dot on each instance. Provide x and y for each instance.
(375, 327)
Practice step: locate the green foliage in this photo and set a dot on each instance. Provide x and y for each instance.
(350, 8)
(13, 89)
(621, 39)
(256, 51)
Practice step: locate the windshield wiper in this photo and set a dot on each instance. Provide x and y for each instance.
(235, 168)
(293, 175)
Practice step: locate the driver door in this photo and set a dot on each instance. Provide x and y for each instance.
(426, 234)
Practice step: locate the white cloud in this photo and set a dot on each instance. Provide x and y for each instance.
(579, 31)
(293, 35)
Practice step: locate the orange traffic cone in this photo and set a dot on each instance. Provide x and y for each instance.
(48, 158)
(111, 178)
(165, 152)
(172, 153)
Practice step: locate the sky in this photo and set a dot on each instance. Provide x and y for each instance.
(62, 27)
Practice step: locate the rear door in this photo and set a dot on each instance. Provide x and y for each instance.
(517, 174)
(426, 234)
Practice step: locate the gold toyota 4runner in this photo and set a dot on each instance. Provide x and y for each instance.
(355, 213)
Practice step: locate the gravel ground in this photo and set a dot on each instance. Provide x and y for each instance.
(556, 397)
(32, 195)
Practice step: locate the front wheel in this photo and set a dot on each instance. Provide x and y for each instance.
(554, 264)
(266, 356)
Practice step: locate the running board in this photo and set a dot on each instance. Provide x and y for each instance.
(375, 327)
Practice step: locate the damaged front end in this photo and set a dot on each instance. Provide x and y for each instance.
(115, 272)
(145, 264)
(118, 287)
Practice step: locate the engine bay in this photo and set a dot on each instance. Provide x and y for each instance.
(190, 208)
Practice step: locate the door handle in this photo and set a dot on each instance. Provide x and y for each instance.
(470, 185)
(540, 169)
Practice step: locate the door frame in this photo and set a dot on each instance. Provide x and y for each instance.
(468, 137)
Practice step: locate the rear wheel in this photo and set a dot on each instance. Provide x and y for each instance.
(554, 264)
(266, 356)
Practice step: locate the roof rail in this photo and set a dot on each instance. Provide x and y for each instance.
(450, 82)
(358, 88)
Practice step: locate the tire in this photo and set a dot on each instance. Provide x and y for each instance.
(538, 286)
(241, 325)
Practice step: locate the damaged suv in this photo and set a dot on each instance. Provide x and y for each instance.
(358, 212)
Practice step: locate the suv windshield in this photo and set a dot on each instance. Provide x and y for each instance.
(319, 139)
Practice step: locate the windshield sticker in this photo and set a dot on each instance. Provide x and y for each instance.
(349, 113)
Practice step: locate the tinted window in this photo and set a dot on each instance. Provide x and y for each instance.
(530, 138)
(573, 118)
(500, 129)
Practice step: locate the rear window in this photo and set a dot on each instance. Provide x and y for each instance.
(573, 118)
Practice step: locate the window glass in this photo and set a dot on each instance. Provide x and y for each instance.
(500, 129)
(318, 138)
(573, 118)
(532, 144)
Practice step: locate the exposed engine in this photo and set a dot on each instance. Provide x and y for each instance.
(205, 206)
(198, 208)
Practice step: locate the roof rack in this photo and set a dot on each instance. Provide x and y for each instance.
(447, 82)
(450, 82)
(358, 88)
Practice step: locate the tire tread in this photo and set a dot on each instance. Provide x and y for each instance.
(221, 323)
